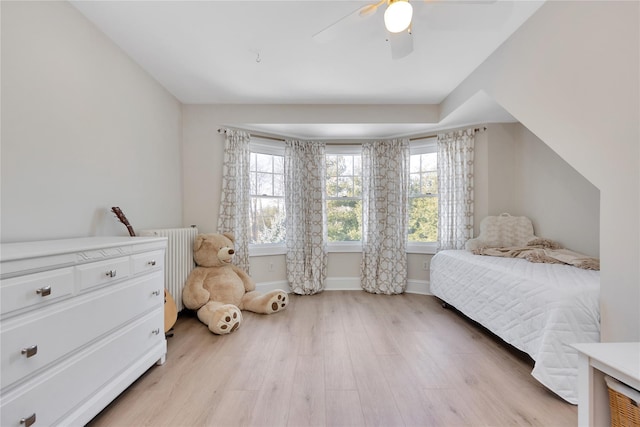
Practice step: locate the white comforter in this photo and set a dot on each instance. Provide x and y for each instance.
(538, 308)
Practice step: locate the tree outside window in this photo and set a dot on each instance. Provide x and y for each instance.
(267, 199)
(344, 197)
(423, 197)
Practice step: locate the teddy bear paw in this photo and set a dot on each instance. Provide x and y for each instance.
(278, 301)
(225, 320)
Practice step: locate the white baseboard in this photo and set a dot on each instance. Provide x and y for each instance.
(420, 287)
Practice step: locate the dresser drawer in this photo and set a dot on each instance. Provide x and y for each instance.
(66, 386)
(103, 272)
(33, 342)
(35, 289)
(149, 261)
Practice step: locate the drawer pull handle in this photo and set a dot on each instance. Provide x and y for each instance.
(155, 331)
(44, 291)
(152, 262)
(156, 293)
(30, 351)
(111, 273)
(29, 420)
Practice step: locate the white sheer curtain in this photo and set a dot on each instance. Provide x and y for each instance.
(304, 170)
(235, 202)
(385, 192)
(455, 188)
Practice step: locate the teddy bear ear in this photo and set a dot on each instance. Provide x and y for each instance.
(198, 241)
(229, 236)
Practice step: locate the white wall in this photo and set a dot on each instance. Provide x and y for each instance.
(516, 172)
(570, 75)
(84, 128)
(203, 158)
(501, 161)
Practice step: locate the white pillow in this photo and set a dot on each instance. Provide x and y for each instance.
(501, 231)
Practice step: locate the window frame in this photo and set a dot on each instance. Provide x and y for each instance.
(423, 146)
(343, 149)
(274, 148)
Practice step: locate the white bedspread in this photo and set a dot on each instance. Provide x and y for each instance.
(538, 308)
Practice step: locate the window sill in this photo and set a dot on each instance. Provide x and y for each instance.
(342, 247)
(267, 249)
(422, 248)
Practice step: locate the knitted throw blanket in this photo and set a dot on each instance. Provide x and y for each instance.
(543, 250)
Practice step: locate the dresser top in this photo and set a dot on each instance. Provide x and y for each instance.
(21, 250)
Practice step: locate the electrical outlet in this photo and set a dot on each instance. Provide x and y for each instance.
(425, 265)
(271, 266)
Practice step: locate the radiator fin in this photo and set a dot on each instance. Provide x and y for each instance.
(178, 259)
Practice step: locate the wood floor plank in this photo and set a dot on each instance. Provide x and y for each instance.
(337, 361)
(307, 405)
(342, 358)
(344, 408)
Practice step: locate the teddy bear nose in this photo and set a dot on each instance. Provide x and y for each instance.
(231, 251)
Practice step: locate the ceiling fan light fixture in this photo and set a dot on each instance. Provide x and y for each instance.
(397, 17)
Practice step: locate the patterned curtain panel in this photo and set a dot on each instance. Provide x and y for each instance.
(235, 201)
(304, 176)
(385, 193)
(455, 189)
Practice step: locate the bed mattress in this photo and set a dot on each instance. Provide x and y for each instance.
(540, 309)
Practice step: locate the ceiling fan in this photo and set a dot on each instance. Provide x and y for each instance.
(397, 20)
(398, 16)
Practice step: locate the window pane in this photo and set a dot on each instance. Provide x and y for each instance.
(345, 187)
(414, 184)
(267, 220)
(414, 163)
(357, 186)
(278, 185)
(332, 168)
(265, 184)
(264, 162)
(344, 220)
(348, 165)
(253, 183)
(430, 183)
(423, 219)
(332, 186)
(357, 165)
(278, 164)
(429, 162)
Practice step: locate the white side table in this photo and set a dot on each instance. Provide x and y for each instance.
(618, 360)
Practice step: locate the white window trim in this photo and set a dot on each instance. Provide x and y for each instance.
(429, 248)
(423, 146)
(354, 246)
(266, 249)
(275, 148)
(265, 146)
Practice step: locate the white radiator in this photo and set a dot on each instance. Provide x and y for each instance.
(178, 259)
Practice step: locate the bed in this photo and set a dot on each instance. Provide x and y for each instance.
(538, 308)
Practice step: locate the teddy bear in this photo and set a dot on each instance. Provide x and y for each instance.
(219, 290)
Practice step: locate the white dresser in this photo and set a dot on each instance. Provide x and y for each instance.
(80, 320)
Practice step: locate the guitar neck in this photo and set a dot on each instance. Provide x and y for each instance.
(123, 219)
(130, 230)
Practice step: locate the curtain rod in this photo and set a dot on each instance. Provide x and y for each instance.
(476, 130)
(256, 135)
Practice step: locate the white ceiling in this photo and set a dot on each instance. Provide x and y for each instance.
(263, 52)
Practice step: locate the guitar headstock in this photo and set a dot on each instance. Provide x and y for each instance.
(123, 219)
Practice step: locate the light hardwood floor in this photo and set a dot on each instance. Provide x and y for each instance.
(340, 358)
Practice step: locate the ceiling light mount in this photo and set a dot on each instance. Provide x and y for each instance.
(397, 17)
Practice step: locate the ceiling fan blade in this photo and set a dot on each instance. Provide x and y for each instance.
(339, 27)
(401, 44)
